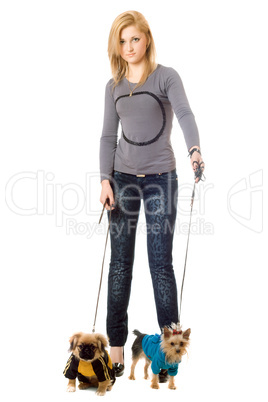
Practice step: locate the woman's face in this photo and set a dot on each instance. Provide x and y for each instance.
(133, 44)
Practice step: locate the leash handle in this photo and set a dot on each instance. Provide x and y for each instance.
(107, 234)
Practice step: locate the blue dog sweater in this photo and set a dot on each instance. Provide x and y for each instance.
(152, 348)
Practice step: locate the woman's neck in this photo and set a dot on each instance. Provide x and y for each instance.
(135, 72)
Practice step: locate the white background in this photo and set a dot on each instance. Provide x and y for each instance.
(54, 68)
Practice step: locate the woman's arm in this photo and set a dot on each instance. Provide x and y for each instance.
(108, 141)
(108, 144)
(179, 102)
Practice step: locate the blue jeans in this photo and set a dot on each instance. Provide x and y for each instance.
(159, 194)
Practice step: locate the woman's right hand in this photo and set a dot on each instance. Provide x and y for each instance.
(107, 194)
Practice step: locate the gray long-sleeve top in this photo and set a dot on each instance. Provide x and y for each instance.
(146, 121)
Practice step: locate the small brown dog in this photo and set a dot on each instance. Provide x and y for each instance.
(90, 363)
(161, 351)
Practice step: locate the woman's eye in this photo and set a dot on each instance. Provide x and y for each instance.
(122, 42)
(136, 39)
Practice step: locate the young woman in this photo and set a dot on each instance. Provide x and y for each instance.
(142, 96)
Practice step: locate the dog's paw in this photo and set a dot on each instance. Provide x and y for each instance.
(100, 393)
(155, 384)
(171, 383)
(132, 377)
(70, 388)
(83, 385)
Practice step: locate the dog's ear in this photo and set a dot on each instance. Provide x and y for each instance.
(74, 340)
(186, 334)
(102, 342)
(167, 333)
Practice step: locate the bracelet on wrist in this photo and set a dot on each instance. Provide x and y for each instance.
(194, 150)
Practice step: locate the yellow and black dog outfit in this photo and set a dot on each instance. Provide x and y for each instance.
(102, 368)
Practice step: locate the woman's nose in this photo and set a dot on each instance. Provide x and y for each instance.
(130, 46)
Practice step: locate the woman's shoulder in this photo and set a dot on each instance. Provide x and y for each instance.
(168, 78)
(109, 88)
(110, 83)
(167, 71)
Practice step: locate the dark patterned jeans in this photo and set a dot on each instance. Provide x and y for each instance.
(159, 194)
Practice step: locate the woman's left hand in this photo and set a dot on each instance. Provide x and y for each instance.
(197, 162)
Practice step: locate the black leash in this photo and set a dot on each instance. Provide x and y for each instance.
(98, 298)
(186, 254)
(198, 174)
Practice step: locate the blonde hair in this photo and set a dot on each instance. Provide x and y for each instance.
(119, 66)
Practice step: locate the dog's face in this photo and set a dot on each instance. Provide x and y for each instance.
(88, 347)
(175, 343)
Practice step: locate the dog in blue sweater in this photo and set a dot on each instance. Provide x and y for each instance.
(162, 352)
